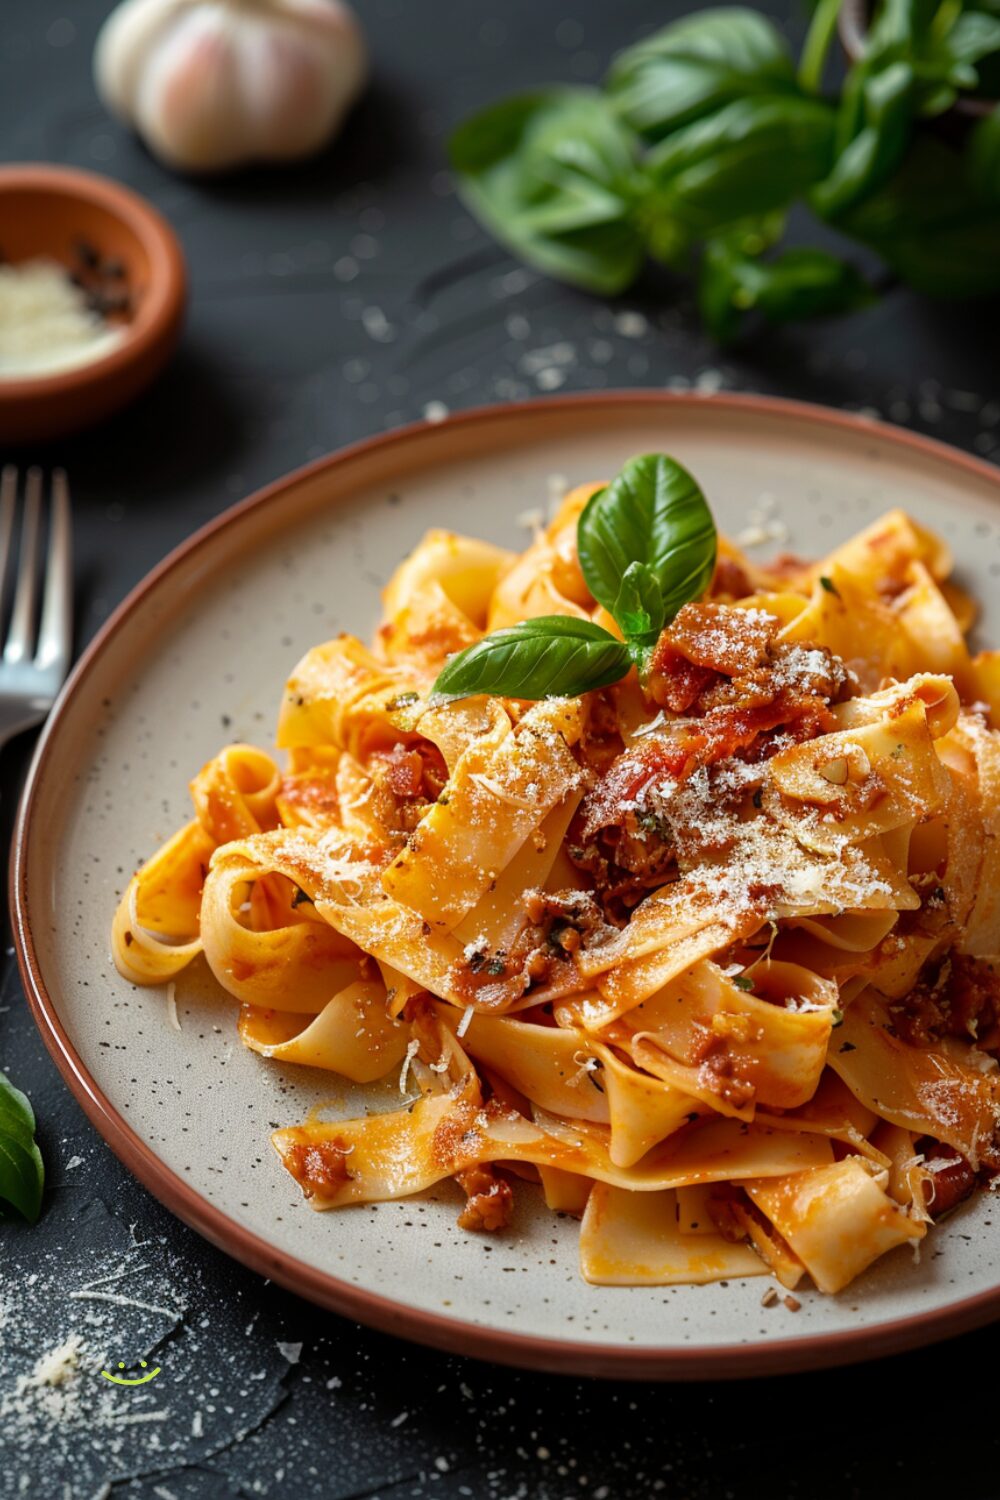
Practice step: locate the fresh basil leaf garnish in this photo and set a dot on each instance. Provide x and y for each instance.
(639, 606)
(553, 656)
(639, 612)
(22, 1172)
(646, 546)
(654, 513)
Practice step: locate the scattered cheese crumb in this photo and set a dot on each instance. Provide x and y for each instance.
(759, 532)
(708, 382)
(59, 1365)
(532, 520)
(466, 1020)
(412, 1048)
(631, 325)
(172, 1015)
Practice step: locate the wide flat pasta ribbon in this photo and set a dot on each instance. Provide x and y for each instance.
(921, 1089)
(496, 796)
(398, 1154)
(634, 1239)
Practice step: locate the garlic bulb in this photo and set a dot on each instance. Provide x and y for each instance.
(211, 84)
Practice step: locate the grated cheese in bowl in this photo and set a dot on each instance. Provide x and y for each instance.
(48, 323)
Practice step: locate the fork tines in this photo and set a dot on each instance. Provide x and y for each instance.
(37, 642)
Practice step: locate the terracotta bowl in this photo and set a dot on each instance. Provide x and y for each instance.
(49, 211)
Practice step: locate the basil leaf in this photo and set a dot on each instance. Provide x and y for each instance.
(653, 513)
(888, 101)
(639, 605)
(972, 37)
(696, 65)
(553, 656)
(800, 283)
(22, 1172)
(930, 226)
(639, 612)
(752, 157)
(554, 175)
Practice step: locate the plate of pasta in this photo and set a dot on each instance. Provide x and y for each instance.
(559, 841)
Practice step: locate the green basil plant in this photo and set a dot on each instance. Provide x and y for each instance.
(705, 134)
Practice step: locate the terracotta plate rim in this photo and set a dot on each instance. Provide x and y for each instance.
(576, 1358)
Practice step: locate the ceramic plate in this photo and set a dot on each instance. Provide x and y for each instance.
(197, 656)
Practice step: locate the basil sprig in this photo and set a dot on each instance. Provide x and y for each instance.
(653, 513)
(704, 135)
(22, 1172)
(646, 546)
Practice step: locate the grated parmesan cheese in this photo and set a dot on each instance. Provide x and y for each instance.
(532, 520)
(489, 784)
(46, 324)
(412, 1048)
(58, 1367)
(466, 1020)
(731, 860)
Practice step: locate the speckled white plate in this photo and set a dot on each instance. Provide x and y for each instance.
(197, 656)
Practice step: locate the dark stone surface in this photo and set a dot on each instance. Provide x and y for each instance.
(328, 302)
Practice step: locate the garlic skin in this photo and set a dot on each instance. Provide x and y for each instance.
(215, 84)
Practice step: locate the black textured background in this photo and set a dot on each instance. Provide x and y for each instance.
(328, 302)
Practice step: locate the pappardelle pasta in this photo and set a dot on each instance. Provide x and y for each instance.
(704, 950)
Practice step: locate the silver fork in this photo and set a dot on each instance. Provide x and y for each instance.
(35, 661)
